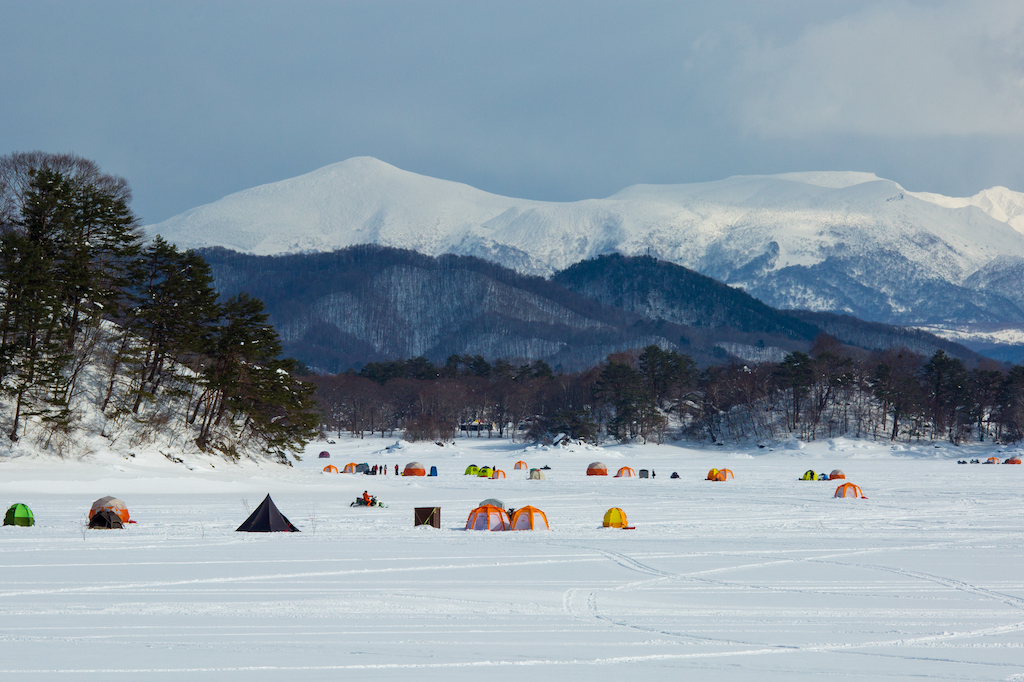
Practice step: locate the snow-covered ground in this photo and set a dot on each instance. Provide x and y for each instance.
(762, 578)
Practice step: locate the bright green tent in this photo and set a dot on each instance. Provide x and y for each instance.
(19, 515)
(485, 472)
(472, 470)
(809, 476)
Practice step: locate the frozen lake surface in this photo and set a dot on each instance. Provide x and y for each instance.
(762, 578)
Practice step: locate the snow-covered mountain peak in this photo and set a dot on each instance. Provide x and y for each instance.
(757, 231)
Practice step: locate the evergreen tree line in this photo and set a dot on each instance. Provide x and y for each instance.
(654, 394)
(92, 315)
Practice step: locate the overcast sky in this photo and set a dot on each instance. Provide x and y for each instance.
(546, 100)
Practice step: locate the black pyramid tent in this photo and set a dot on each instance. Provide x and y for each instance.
(267, 519)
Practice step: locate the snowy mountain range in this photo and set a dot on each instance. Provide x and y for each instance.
(845, 242)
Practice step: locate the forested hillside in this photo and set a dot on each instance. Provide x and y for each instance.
(373, 303)
(104, 335)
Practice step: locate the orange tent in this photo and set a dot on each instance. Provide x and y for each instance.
(350, 468)
(498, 473)
(330, 469)
(488, 517)
(992, 460)
(836, 473)
(529, 518)
(719, 475)
(597, 469)
(1012, 460)
(414, 469)
(111, 504)
(615, 518)
(625, 472)
(521, 465)
(849, 490)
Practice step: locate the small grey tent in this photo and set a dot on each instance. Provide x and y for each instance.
(105, 519)
(267, 519)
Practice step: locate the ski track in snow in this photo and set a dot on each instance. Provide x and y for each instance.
(764, 578)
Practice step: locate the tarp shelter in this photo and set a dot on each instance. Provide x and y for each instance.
(110, 504)
(675, 474)
(19, 515)
(597, 469)
(472, 470)
(809, 475)
(520, 465)
(625, 472)
(488, 518)
(267, 519)
(485, 472)
(644, 473)
(494, 502)
(822, 476)
(105, 518)
(537, 475)
(720, 475)
(836, 474)
(498, 473)
(1012, 460)
(992, 460)
(529, 518)
(849, 490)
(330, 469)
(414, 469)
(615, 518)
(325, 455)
(350, 468)
(433, 471)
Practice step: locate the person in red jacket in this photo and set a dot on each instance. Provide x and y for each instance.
(396, 470)
(366, 498)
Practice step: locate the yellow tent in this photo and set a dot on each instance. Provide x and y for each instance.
(615, 518)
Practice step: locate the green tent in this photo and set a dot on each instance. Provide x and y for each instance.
(472, 470)
(19, 515)
(809, 476)
(485, 472)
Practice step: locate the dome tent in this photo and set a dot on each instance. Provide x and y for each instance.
(520, 465)
(597, 469)
(487, 518)
(1012, 460)
(529, 518)
(472, 470)
(485, 472)
(615, 518)
(325, 455)
(19, 514)
(720, 475)
(492, 501)
(350, 468)
(105, 518)
(110, 504)
(836, 474)
(330, 469)
(626, 472)
(849, 490)
(809, 475)
(267, 519)
(537, 475)
(498, 473)
(414, 469)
